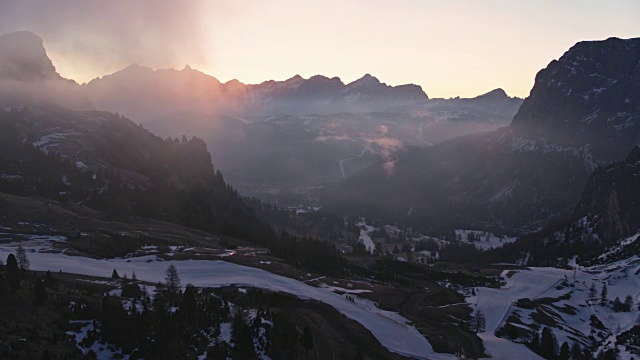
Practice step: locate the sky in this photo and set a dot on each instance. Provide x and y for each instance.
(450, 48)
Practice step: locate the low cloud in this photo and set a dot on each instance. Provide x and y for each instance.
(387, 147)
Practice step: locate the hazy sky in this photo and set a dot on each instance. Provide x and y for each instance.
(448, 47)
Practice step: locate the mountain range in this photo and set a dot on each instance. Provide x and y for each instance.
(189, 90)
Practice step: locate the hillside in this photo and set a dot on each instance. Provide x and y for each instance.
(107, 163)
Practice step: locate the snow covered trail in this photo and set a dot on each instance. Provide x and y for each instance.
(495, 304)
(396, 336)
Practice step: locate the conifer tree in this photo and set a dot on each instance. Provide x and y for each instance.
(576, 352)
(478, 322)
(13, 273)
(21, 257)
(592, 291)
(548, 344)
(564, 352)
(628, 303)
(172, 279)
(603, 294)
(49, 280)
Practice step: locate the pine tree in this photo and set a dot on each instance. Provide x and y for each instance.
(535, 343)
(114, 274)
(189, 303)
(617, 305)
(13, 273)
(478, 322)
(603, 294)
(564, 352)
(21, 257)
(49, 280)
(592, 291)
(628, 303)
(172, 279)
(548, 344)
(576, 352)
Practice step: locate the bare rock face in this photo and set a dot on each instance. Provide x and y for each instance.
(23, 58)
(591, 95)
(27, 75)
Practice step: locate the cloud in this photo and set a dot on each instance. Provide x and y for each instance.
(113, 34)
(387, 147)
(332, 138)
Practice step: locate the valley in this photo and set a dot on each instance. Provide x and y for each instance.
(165, 214)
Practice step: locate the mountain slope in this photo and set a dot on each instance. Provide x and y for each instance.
(610, 199)
(112, 166)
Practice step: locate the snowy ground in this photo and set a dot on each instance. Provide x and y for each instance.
(569, 290)
(392, 330)
(102, 351)
(365, 237)
(483, 240)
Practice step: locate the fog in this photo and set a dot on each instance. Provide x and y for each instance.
(105, 36)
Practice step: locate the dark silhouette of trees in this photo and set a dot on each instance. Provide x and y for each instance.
(243, 340)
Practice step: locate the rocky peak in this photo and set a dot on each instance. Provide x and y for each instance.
(591, 95)
(366, 80)
(23, 57)
(493, 95)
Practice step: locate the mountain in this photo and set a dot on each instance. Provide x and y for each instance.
(27, 74)
(582, 112)
(589, 97)
(143, 93)
(188, 90)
